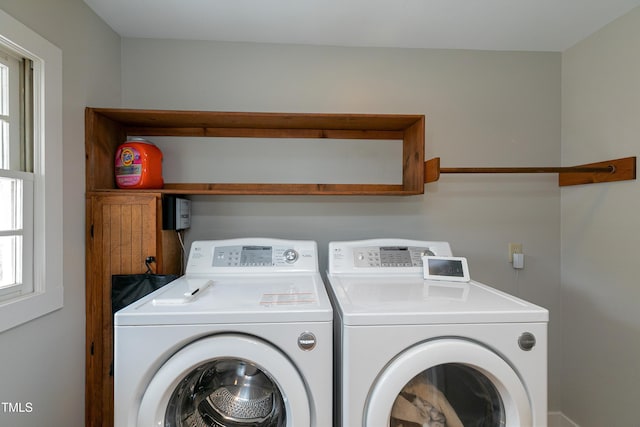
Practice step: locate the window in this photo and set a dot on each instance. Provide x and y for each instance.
(30, 174)
(15, 264)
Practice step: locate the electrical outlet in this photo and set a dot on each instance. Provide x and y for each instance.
(514, 248)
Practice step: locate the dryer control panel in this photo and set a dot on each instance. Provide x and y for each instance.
(247, 255)
(383, 255)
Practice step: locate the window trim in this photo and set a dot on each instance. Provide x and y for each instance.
(47, 295)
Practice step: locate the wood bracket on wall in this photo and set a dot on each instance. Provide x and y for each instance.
(608, 171)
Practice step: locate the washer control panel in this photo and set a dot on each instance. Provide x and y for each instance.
(246, 255)
(382, 255)
(253, 256)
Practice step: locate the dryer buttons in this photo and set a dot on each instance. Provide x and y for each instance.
(527, 341)
(290, 256)
(307, 341)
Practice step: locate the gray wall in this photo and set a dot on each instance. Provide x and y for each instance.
(601, 230)
(482, 108)
(42, 362)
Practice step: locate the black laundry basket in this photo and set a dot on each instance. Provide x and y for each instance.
(128, 288)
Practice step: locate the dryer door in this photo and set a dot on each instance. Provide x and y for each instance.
(448, 382)
(226, 381)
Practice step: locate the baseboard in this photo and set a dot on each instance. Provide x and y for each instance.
(558, 419)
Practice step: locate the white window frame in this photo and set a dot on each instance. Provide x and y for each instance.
(13, 65)
(46, 250)
(10, 169)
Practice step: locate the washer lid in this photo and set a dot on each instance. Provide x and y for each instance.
(408, 300)
(232, 299)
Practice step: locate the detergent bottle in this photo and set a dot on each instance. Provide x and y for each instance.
(138, 164)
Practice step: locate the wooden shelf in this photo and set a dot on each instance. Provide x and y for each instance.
(106, 128)
(267, 189)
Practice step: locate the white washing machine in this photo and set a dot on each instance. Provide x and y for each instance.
(244, 338)
(412, 352)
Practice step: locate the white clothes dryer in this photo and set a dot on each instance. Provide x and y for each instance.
(244, 338)
(412, 352)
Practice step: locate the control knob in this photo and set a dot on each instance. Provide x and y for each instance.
(290, 256)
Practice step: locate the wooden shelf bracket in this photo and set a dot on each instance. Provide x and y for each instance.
(623, 169)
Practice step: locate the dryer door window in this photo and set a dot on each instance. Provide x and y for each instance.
(448, 382)
(452, 395)
(226, 381)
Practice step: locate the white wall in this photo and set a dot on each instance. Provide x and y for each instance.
(482, 108)
(601, 230)
(43, 361)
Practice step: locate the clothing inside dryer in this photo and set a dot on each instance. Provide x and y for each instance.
(226, 393)
(448, 395)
